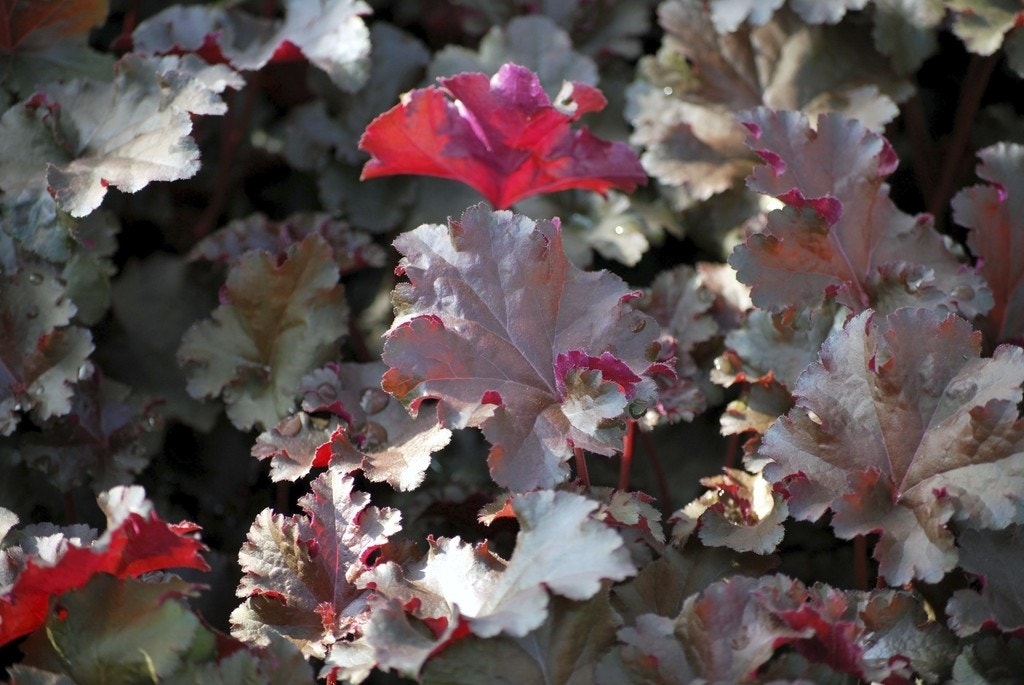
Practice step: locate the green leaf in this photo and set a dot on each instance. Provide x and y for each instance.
(41, 356)
(116, 631)
(278, 322)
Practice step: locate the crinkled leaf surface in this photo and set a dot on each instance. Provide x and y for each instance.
(370, 431)
(353, 250)
(879, 636)
(840, 235)
(330, 33)
(994, 213)
(40, 354)
(299, 572)
(136, 541)
(683, 106)
(378, 437)
(98, 442)
(982, 24)
(678, 302)
(277, 322)
(492, 304)
(77, 139)
(899, 429)
(722, 635)
(560, 547)
(535, 42)
(738, 511)
(297, 444)
(990, 555)
(502, 136)
(777, 345)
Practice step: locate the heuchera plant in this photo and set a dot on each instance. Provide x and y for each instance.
(564, 342)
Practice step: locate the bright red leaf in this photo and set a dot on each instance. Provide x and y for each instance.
(502, 136)
(137, 541)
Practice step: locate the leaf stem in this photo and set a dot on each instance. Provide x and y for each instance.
(659, 472)
(626, 465)
(581, 467)
(975, 82)
(860, 562)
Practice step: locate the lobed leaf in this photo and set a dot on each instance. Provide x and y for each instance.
(491, 307)
(560, 547)
(47, 565)
(901, 429)
(76, 139)
(840, 235)
(372, 432)
(331, 34)
(99, 441)
(502, 136)
(994, 213)
(300, 572)
(277, 322)
(41, 355)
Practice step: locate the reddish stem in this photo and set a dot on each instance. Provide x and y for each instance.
(581, 467)
(659, 473)
(975, 81)
(626, 465)
(860, 562)
(282, 500)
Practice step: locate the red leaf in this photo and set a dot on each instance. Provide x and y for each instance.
(501, 136)
(136, 542)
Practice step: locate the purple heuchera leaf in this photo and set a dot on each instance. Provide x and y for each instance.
(491, 304)
(839, 235)
(899, 429)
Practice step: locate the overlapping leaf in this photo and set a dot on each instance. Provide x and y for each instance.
(840, 235)
(902, 428)
(300, 571)
(79, 138)
(535, 42)
(48, 563)
(330, 33)
(501, 136)
(683, 106)
(990, 557)
(560, 548)
(98, 442)
(497, 325)
(730, 631)
(277, 322)
(677, 301)
(42, 42)
(41, 356)
(353, 250)
(994, 213)
(372, 432)
(739, 511)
